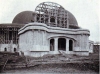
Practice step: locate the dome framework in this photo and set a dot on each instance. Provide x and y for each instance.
(49, 30)
(49, 13)
(52, 14)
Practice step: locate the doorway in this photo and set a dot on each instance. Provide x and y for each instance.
(62, 44)
(70, 45)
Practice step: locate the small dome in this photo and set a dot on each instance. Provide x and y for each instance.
(24, 17)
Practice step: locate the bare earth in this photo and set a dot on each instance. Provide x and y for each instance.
(61, 64)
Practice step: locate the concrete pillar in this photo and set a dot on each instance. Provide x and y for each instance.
(56, 21)
(67, 45)
(67, 20)
(55, 44)
(35, 18)
(49, 21)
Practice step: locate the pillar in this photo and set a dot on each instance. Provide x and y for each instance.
(35, 17)
(67, 45)
(55, 44)
(56, 21)
(67, 20)
(8, 36)
(49, 20)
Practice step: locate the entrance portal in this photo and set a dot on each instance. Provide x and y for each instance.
(62, 44)
(70, 45)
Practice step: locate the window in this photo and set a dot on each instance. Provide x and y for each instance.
(14, 49)
(52, 20)
(5, 49)
(70, 45)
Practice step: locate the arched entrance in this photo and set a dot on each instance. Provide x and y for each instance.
(52, 45)
(14, 49)
(70, 45)
(5, 49)
(52, 19)
(62, 44)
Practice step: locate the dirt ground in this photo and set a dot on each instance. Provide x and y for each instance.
(61, 64)
(53, 68)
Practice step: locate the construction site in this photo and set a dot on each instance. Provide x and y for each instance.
(47, 40)
(56, 63)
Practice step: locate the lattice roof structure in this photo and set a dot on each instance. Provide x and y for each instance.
(52, 14)
(49, 13)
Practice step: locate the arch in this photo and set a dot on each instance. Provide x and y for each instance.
(5, 49)
(62, 44)
(62, 36)
(52, 19)
(14, 49)
(70, 45)
(51, 44)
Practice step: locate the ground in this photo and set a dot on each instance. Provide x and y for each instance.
(60, 63)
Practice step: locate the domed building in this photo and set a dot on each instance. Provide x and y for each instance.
(50, 29)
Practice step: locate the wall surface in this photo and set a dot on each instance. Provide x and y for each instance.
(35, 38)
(9, 47)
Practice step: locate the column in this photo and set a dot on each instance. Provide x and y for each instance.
(55, 44)
(35, 17)
(56, 21)
(5, 37)
(67, 45)
(15, 36)
(49, 20)
(81, 42)
(67, 20)
(8, 36)
(12, 36)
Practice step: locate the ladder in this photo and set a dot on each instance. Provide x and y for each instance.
(4, 64)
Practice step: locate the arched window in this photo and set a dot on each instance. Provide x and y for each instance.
(70, 45)
(62, 44)
(14, 49)
(52, 20)
(5, 49)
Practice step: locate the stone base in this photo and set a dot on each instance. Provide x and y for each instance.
(41, 53)
(81, 53)
(35, 53)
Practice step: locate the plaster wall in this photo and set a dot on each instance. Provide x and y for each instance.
(33, 40)
(36, 39)
(10, 47)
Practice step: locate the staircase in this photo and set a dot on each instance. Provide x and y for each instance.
(62, 52)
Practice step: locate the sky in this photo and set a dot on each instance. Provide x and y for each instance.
(86, 12)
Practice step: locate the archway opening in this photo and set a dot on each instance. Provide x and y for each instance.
(14, 49)
(70, 45)
(52, 20)
(5, 49)
(62, 44)
(52, 45)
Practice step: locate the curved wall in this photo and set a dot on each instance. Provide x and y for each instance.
(35, 37)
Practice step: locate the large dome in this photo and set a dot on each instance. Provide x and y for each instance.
(24, 17)
(49, 13)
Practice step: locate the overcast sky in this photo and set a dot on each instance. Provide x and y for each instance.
(86, 12)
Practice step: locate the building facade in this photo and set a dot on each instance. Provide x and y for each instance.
(50, 29)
